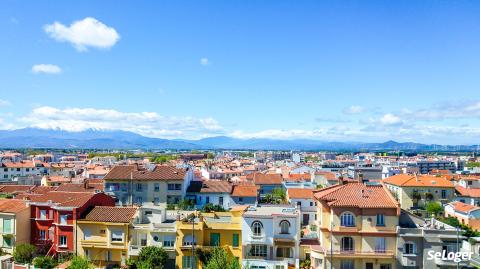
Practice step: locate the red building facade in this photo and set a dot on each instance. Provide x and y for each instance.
(54, 216)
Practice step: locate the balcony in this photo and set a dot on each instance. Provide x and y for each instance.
(387, 254)
(94, 243)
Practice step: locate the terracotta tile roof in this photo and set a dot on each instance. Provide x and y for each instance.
(70, 199)
(356, 195)
(12, 205)
(95, 181)
(267, 179)
(474, 193)
(75, 187)
(15, 188)
(245, 191)
(298, 193)
(406, 180)
(298, 177)
(462, 207)
(160, 172)
(327, 175)
(210, 186)
(58, 179)
(21, 164)
(111, 214)
(42, 189)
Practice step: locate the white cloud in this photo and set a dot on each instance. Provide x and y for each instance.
(204, 61)
(85, 33)
(354, 110)
(390, 119)
(4, 103)
(46, 69)
(144, 123)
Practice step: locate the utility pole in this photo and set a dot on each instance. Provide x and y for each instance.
(193, 241)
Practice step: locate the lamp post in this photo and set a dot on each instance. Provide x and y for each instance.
(193, 239)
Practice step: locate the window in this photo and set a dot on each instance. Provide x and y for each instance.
(311, 203)
(117, 236)
(284, 227)
(470, 182)
(347, 264)
(299, 203)
(87, 234)
(220, 200)
(178, 187)
(169, 241)
(139, 187)
(347, 219)
(87, 254)
(102, 231)
(63, 219)
(385, 266)
(449, 248)
(207, 199)
(257, 228)
(138, 200)
(187, 262)
(63, 241)
(156, 201)
(7, 226)
(240, 199)
(189, 240)
(380, 245)
(283, 252)
(171, 187)
(214, 239)
(156, 187)
(143, 240)
(108, 256)
(258, 250)
(42, 234)
(235, 240)
(444, 194)
(347, 244)
(409, 248)
(43, 214)
(380, 220)
(123, 186)
(7, 242)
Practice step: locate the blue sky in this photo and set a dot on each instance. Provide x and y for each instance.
(328, 70)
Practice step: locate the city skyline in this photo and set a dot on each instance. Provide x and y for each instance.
(350, 71)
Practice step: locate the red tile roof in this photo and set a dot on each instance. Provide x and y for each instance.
(245, 191)
(407, 180)
(474, 193)
(356, 195)
(160, 172)
(68, 199)
(210, 186)
(12, 205)
(15, 188)
(462, 207)
(267, 179)
(111, 214)
(298, 193)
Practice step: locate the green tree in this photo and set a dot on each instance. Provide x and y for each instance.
(219, 259)
(79, 262)
(24, 253)
(212, 208)
(280, 195)
(434, 208)
(152, 257)
(45, 262)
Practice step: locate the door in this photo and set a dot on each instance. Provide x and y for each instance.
(369, 265)
(214, 239)
(306, 219)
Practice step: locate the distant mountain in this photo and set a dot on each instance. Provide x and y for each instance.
(95, 139)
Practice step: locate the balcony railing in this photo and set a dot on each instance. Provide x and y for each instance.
(378, 253)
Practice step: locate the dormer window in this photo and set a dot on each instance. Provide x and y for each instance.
(347, 219)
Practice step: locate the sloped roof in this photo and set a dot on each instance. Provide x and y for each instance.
(245, 191)
(210, 186)
(12, 205)
(299, 193)
(111, 214)
(475, 193)
(462, 207)
(407, 180)
(359, 195)
(160, 172)
(267, 179)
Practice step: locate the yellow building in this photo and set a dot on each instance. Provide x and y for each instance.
(14, 224)
(357, 227)
(222, 229)
(103, 235)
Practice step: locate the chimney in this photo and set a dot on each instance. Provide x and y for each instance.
(85, 184)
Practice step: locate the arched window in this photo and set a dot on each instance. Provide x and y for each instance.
(347, 219)
(284, 227)
(347, 244)
(257, 228)
(409, 248)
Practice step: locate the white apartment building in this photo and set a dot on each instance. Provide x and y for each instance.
(271, 237)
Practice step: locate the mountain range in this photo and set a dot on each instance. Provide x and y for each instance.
(99, 139)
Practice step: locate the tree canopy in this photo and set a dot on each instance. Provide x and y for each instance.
(152, 257)
(24, 253)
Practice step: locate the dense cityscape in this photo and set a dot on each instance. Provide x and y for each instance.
(261, 209)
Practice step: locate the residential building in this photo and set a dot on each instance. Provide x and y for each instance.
(54, 215)
(14, 224)
(271, 237)
(364, 173)
(465, 213)
(151, 227)
(303, 199)
(267, 182)
(207, 230)
(469, 196)
(103, 235)
(415, 191)
(357, 227)
(245, 194)
(427, 166)
(417, 237)
(132, 184)
(215, 192)
(11, 170)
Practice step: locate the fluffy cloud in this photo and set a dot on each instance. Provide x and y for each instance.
(4, 103)
(85, 33)
(46, 69)
(144, 123)
(204, 61)
(390, 119)
(354, 110)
